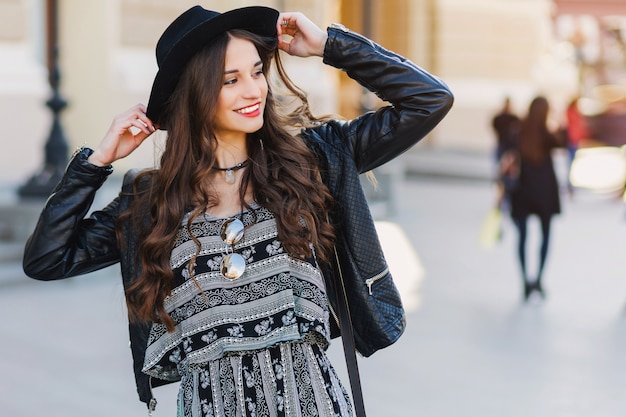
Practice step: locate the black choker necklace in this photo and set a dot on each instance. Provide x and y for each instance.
(230, 172)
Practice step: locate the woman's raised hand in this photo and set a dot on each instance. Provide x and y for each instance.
(307, 39)
(120, 140)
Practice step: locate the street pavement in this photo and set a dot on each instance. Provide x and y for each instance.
(471, 348)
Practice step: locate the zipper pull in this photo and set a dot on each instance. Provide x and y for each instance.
(152, 406)
(370, 281)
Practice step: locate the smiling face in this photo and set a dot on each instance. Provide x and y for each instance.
(241, 100)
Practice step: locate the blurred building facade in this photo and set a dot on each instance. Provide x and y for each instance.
(597, 31)
(484, 49)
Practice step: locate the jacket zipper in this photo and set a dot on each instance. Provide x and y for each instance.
(153, 402)
(370, 281)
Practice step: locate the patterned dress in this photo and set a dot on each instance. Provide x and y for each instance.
(252, 346)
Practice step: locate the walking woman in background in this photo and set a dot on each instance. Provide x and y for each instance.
(537, 190)
(224, 245)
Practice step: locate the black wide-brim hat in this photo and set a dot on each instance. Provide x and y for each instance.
(188, 34)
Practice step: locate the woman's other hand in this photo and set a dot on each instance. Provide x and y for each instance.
(121, 140)
(307, 39)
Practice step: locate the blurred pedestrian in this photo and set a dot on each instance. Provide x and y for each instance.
(505, 125)
(537, 191)
(576, 131)
(222, 247)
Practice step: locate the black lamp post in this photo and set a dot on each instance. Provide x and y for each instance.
(41, 184)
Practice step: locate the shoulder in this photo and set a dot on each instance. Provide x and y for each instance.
(129, 176)
(327, 137)
(328, 131)
(143, 176)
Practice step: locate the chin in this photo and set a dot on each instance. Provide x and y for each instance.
(254, 127)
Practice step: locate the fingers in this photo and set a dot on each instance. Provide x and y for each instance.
(128, 130)
(134, 125)
(305, 37)
(136, 116)
(285, 25)
(286, 21)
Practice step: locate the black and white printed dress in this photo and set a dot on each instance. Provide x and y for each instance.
(252, 346)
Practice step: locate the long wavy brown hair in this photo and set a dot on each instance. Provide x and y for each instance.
(282, 173)
(535, 139)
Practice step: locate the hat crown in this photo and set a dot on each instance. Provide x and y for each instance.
(180, 28)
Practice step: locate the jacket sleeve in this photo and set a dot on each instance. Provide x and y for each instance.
(418, 100)
(64, 242)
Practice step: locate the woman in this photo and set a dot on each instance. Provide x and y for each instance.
(222, 247)
(537, 191)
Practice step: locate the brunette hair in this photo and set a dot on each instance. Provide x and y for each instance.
(535, 139)
(282, 173)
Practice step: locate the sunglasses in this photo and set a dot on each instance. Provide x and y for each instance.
(233, 264)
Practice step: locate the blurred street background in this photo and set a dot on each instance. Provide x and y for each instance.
(471, 347)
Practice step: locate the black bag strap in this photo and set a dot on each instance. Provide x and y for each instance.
(347, 338)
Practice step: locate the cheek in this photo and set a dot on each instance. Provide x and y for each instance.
(223, 102)
(264, 88)
(222, 98)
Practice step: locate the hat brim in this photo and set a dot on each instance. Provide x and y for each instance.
(256, 19)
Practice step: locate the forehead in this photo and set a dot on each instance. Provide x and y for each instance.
(240, 53)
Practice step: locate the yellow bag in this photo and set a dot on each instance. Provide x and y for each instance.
(491, 230)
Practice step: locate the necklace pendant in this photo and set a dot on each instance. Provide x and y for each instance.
(229, 176)
(229, 173)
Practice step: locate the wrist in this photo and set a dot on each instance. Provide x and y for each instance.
(80, 162)
(322, 44)
(95, 160)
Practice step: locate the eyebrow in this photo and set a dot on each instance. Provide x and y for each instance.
(256, 64)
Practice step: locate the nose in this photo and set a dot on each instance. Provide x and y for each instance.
(251, 87)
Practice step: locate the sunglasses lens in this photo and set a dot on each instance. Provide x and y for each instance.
(233, 266)
(232, 231)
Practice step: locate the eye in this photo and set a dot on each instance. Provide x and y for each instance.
(257, 71)
(230, 81)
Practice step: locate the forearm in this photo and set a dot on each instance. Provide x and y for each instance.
(64, 243)
(419, 100)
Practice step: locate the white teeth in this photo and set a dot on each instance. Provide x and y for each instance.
(249, 109)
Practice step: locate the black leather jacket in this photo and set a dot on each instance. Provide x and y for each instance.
(66, 242)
